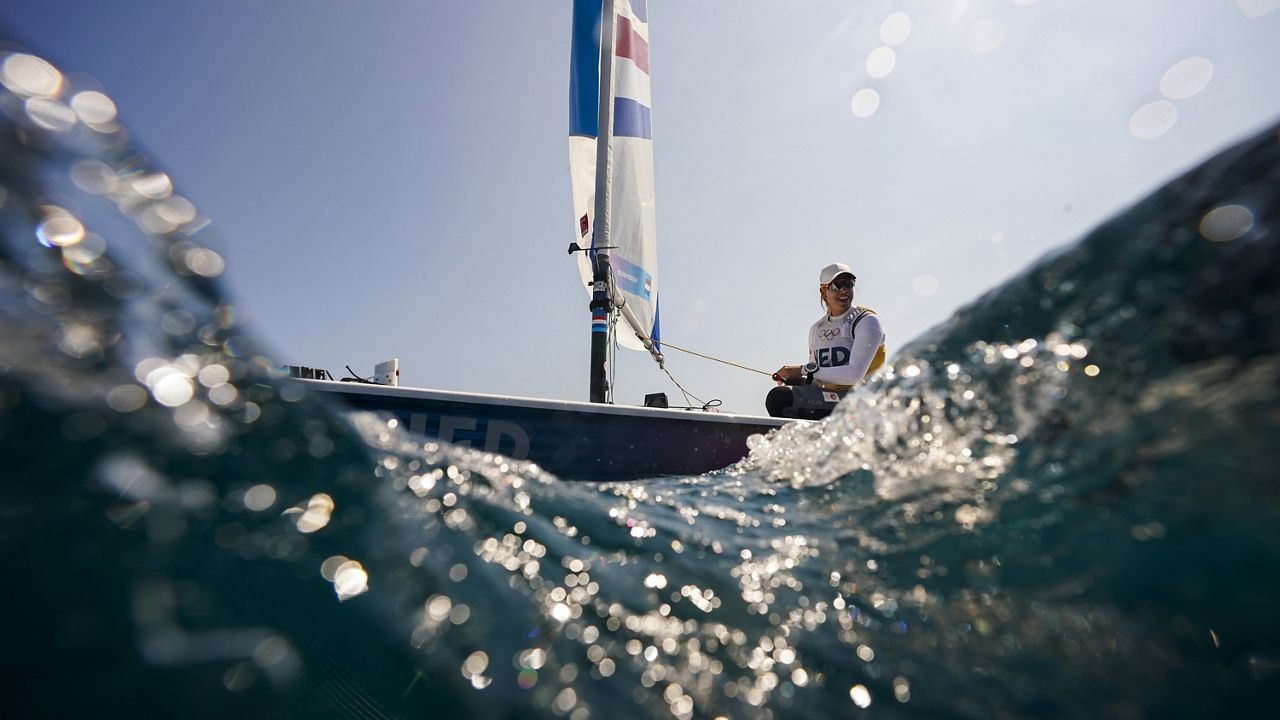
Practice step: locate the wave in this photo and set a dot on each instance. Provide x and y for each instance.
(1058, 502)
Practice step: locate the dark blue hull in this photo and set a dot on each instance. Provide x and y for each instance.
(572, 440)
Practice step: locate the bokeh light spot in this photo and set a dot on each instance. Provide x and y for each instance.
(1153, 120)
(50, 114)
(30, 76)
(60, 229)
(865, 102)
(881, 62)
(924, 285)
(259, 497)
(329, 568)
(895, 29)
(170, 387)
(126, 398)
(1226, 223)
(205, 262)
(350, 580)
(156, 186)
(94, 177)
(213, 375)
(315, 515)
(1257, 8)
(986, 36)
(94, 109)
(85, 252)
(1186, 78)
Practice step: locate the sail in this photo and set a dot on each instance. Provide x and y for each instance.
(629, 224)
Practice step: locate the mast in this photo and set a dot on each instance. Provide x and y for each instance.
(601, 294)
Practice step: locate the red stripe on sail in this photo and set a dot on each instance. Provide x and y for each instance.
(630, 45)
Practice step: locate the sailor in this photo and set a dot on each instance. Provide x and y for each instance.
(845, 346)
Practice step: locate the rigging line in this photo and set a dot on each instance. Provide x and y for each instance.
(686, 393)
(667, 343)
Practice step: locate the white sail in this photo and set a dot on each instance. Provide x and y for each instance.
(627, 227)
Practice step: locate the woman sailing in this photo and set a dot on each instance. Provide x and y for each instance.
(845, 345)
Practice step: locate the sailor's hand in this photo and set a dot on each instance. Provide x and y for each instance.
(789, 374)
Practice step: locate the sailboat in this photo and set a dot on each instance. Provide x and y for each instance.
(614, 241)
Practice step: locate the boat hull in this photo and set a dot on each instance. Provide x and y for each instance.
(572, 440)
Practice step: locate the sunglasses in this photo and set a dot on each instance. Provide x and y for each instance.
(842, 284)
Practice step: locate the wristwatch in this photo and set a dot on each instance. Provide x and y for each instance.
(809, 370)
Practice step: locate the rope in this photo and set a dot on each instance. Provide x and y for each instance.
(687, 395)
(684, 392)
(673, 346)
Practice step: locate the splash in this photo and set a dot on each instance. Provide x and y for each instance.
(1059, 502)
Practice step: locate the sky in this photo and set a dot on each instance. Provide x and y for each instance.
(390, 179)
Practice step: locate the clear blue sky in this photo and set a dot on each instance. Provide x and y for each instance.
(391, 178)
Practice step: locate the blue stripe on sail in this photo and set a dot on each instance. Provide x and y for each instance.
(631, 119)
(655, 334)
(584, 69)
(639, 8)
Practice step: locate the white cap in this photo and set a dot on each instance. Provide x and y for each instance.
(833, 271)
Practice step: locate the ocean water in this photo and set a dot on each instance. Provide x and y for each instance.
(1061, 502)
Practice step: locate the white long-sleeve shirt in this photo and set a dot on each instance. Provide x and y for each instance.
(844, 346)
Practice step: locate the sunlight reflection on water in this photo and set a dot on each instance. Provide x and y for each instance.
(807, 570)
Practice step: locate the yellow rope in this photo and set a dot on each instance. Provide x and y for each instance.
(673, 346)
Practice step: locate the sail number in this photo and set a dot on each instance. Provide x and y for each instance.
(500, 436)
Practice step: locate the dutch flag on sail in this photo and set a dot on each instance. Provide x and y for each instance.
(631, 80)
(631, 70)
